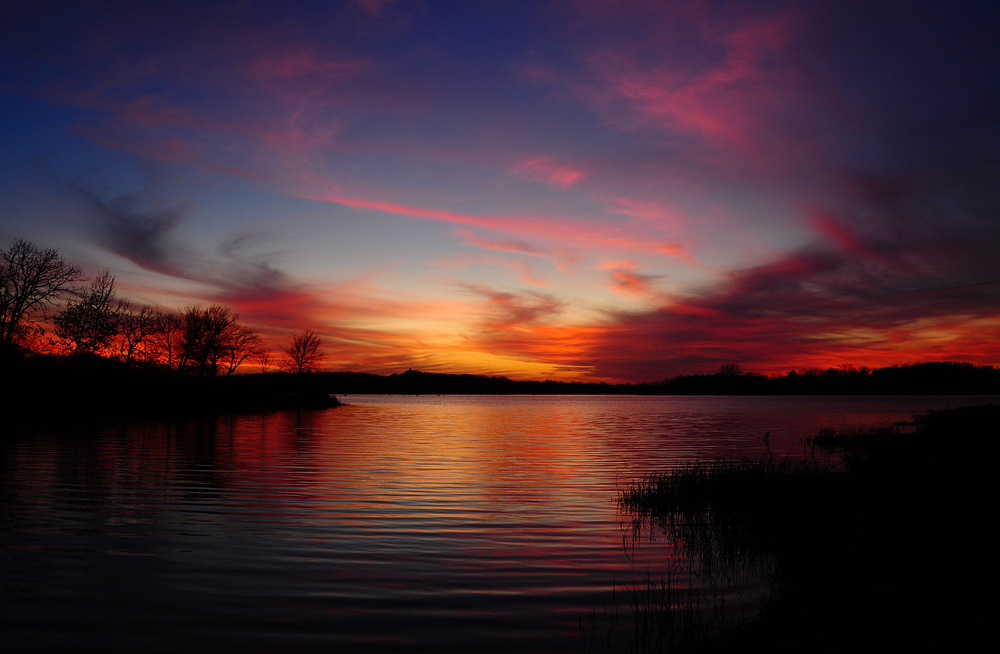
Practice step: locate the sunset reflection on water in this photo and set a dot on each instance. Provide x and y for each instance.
(388, 524)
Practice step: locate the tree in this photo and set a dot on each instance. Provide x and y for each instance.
(263, 359)
(730, 369)
(90, 324)
(201, 338)
(303, 354)
(137, 326)
(30, 280)
(213, 337)
(241, 343)
(166, 339)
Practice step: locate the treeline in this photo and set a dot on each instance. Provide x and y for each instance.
(933, 378)
(93, 321)
(416, 382)
(938, 378)
(70, 349)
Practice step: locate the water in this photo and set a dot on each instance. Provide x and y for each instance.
(454, 523)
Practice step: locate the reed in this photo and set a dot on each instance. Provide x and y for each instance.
(729, 518)
(728, 514)
(873, 554)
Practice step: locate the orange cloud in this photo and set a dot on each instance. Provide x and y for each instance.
(630, 282)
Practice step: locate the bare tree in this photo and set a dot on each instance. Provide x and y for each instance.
(30, 280)
(90, 324)
(137, 326)
(731, 369)
(166, 339)
(303, 354)
(202, 345)
(263, 359)
(213, 337)
(241, 343)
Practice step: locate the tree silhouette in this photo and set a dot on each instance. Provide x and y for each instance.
(137, 326)
(30, 279)
(263, 359)
(166, 339)
(240, 343)
(90, 324)
(731, 369)
(303, 354)
(212, 337)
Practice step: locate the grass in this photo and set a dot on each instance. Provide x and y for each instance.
(679, 609)
(727, 514)
(888, 552)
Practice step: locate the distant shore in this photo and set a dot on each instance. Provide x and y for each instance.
(936, 378)
(48, 388)
(43, 386)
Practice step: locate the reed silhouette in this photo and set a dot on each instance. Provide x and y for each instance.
(884, 551)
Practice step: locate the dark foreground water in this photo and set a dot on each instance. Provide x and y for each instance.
(408, 524)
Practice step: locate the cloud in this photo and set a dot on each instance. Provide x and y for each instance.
(573, 235)
(248, 279)
(527, 326)
(140, 235)
(237, 272)
(654, 212)
(519, 247)
(716, 81)
(506, 311)
(563, 259)
(544, 169)
(626, 281)
(298, 61)
(525, 269)
(374, 6)
(905, 285)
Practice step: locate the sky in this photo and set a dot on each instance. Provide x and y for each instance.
(584, 190)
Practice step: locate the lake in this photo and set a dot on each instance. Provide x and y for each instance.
(390, 524)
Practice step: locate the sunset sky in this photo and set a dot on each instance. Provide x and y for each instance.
(579, 190)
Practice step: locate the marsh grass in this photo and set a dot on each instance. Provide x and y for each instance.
(858, 446)
(884, 552)
(728, 514)
(728, 518)
(679, 609)
(668, 613)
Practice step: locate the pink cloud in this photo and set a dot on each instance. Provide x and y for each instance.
(576, 234)
(519, 247)
(724, 88)
(544, 169)
(653, 212)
